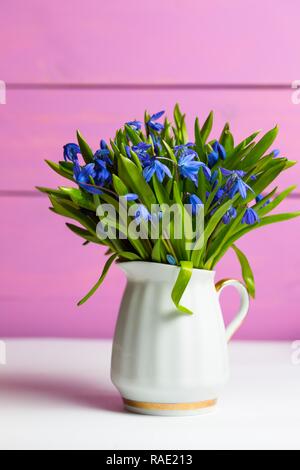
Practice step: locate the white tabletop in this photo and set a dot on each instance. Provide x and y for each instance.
(57, 394)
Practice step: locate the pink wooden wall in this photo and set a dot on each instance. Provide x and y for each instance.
(95, 64)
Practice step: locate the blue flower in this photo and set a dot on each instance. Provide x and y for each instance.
(102, 174)
(103, 144)
(97, 170)
(189, 168)
(156, 126)
(196, 203)
(214, 177)
(275, 153)
(141, 214)
(217, 153)
(127, 150)
(219, 149)
(154, 166)
(226, 172)
(82, 177)
(213, 157)
(136, 125)
(71, 152)
(250, 217)
(235, 184)
(206, 171)
(131, 197)
(103, 153)
(260, 197)
(230, 214)
(171, 260)
(76, 170)
(219, 195)
(182, 148)
(141, 149)
(156, 144)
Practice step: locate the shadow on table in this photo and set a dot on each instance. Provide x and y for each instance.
(57, 390)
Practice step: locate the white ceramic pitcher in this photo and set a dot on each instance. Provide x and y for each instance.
(165, 362)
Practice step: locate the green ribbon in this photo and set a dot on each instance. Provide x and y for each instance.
(181, 283)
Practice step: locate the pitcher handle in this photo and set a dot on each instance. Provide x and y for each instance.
(244, 304)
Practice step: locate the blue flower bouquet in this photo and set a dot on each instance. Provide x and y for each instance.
(121, 192)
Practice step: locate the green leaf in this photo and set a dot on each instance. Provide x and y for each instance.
(264, 221)
(170, 152)
(107, 266)
(242, 145)
(222, 236)
(134, 179)
(202, 186)
(235, 157)
(53, 192)
(86, 151)
(273, 204)
(249, 139)
(259, 204)
(207, 127)
(246, 271)
(160, 191)
(214, 192)
(58, 169)
(184, 133)
(271, 219)
(120, 188)
(265, 179)
(223, 133)
(81, 198)
(133, 135)
(290, 163)
(226, 139)
(67, 166)
(260, 148)
(83, 233)
(215, 219)
(138, 244)
(115, 149)
(210, 227)
(185, 221)
(121, 139)
(200, 148)
(136, 160)
(129, 256)
(177, 115)
(157, 251)
(67, 209)
(181, 283)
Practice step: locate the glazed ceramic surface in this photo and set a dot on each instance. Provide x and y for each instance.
(164, 361)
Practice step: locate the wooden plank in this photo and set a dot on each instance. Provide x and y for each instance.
(36, 124)
(44, 270)
(149, 42)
